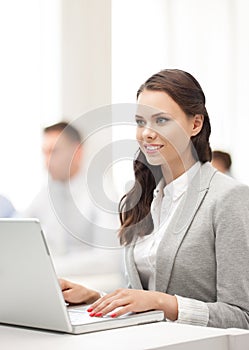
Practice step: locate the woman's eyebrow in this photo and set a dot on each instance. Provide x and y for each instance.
(153, 115)
(138, 116)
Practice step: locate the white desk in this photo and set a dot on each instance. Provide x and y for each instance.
(162, 335)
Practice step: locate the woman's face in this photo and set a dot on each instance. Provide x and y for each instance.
(164, 130)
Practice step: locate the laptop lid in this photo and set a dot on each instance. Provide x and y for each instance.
(30, 294)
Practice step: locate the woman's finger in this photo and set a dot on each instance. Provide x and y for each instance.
(109, 297)
(110, 307)
(102, 307)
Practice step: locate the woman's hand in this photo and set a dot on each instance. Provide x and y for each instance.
(131, 300)
(75, 293)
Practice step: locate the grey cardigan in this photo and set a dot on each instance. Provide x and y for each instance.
(204, 254)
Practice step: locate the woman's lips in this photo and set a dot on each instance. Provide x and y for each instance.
(152, 148)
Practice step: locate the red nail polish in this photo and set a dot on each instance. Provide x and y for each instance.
(92, 314)
(113, 315)
(98, 314)
(90, 309)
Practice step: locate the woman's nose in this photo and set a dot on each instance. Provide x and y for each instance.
(149, 134)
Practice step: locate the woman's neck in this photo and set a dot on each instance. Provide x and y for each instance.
(177, 168)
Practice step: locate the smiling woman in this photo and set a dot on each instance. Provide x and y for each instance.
(183, 137)
(183, 224)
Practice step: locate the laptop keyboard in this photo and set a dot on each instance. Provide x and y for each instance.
(79, 317)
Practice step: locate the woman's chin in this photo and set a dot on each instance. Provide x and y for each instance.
(154, 160)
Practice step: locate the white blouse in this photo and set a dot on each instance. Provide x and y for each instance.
(165, 203)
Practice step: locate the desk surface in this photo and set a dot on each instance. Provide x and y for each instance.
(161, 335)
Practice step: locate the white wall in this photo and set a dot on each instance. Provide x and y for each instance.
(55, 64)
(138, 45)
(86, 85)
(85, 55)
(20, 91)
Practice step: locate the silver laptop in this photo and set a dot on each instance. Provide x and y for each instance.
(30, 294)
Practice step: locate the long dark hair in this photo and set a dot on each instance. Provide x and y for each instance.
(134, 206)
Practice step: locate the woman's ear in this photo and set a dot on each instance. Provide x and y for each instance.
(198, 120)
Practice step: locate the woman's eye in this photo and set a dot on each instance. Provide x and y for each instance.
(162, 120)
(140, 122)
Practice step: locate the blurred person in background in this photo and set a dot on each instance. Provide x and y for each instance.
(222, 161)
(72, 224)
(7, 209)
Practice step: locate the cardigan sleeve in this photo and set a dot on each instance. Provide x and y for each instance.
(191, 311)
(231, 221)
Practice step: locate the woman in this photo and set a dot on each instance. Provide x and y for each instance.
(184, 225)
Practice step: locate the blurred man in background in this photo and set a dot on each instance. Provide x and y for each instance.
(72, 223)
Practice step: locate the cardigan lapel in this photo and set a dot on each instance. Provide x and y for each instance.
(174, 233)
(179, 225)
(134, 278)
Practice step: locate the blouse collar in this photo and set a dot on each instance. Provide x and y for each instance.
(178, 186)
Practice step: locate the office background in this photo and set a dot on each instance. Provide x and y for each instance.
(63, 58)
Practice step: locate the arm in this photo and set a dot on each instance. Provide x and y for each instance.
(231, 226)
(232, 255)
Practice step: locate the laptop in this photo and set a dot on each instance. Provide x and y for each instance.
(30, 294)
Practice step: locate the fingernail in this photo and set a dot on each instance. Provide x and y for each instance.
(92, 314)
(90, 309)
(98, 314)
(113, 315)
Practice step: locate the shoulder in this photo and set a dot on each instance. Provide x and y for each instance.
(226, 203)
(227, 198)
(222, 192)
(222, 185)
